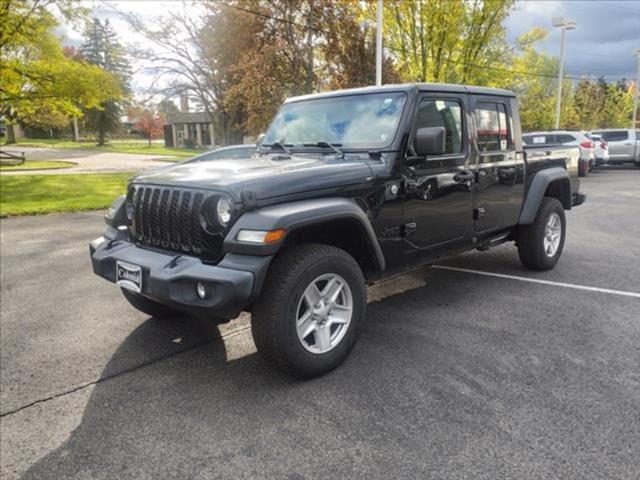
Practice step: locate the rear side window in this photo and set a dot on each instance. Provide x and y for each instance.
(442, 113)
(535, 139)
(615, 136)
(564, 139)
(494, 132)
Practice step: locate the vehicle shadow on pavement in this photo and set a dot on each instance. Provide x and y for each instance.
(435, 388)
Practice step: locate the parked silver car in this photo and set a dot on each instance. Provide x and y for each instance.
(624, 145)
(567, 138)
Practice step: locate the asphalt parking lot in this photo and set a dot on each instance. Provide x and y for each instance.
(456, 375)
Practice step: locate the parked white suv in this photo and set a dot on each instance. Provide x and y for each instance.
(624, 145)
(567, 138)
(601, 149)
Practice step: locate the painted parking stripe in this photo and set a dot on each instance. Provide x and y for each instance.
(540, 281)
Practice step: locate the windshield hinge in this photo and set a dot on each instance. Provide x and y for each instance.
(249, 200)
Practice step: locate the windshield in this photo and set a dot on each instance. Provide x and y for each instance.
(353, 121)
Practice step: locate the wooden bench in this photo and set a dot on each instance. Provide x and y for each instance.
(11, 158)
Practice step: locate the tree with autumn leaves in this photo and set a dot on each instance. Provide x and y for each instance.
(147, 121)
(41, 84)
(241, 58)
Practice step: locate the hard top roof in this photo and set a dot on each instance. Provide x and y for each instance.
(406, 87)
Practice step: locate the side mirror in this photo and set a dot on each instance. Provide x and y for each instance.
(430, 141)
(260, 139)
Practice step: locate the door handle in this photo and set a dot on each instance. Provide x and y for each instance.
(463, 177)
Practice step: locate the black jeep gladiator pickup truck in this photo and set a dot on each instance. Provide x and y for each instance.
(346, 188)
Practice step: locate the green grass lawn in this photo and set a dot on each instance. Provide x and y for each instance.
(36, 165)
(35, 194)
(122, 146)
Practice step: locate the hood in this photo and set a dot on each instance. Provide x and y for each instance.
(266, 175)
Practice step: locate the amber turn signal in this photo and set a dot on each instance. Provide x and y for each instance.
(274, 235)
(261, 236)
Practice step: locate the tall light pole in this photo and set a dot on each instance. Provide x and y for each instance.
(635, 95)
(564, 25)
(379, 45)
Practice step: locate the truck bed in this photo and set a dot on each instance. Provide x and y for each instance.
(539, 157)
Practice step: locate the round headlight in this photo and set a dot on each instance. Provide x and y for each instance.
(223, 210)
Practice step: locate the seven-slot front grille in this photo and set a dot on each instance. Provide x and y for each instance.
(169, 219)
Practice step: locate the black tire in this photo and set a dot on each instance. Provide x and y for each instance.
(274, 316)
(583, 169)
(531, 238)
(147, 306)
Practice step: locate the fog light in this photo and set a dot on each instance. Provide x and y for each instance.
(201, 290)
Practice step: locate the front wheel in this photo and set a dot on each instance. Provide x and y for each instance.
(309, 313)
(540, 244)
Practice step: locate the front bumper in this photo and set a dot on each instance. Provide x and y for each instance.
(578, 199)
(170, 279)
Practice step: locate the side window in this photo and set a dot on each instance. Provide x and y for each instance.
(506, 128)
(442, 113)
(616, 136)
(564, 139)
(494, 133)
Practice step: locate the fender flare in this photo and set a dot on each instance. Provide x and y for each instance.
(538, 187)
(299, 214)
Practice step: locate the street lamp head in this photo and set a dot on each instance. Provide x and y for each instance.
(563, 23)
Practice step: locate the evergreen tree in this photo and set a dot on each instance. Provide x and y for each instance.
(103, 49)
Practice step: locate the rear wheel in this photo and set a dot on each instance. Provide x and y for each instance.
(147, 306)
(583, 168)
(540, 244)
(309, 313)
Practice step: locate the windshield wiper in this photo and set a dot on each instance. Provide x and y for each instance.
(279, 145)
(325, 144)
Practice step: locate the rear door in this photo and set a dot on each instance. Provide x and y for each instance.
(500, 169)
(438, 198)
(620, 145)
(573, 140)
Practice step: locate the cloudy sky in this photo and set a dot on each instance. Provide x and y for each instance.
(607, 33)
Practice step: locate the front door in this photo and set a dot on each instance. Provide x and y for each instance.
(438, 199)
(499, 169)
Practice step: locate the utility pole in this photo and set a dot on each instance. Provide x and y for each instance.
(635, 94)
(564, 25)
(379, 45)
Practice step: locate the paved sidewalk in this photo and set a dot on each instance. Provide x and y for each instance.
(87, 161)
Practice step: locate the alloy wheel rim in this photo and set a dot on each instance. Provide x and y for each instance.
(324, 313)
(552, 235)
